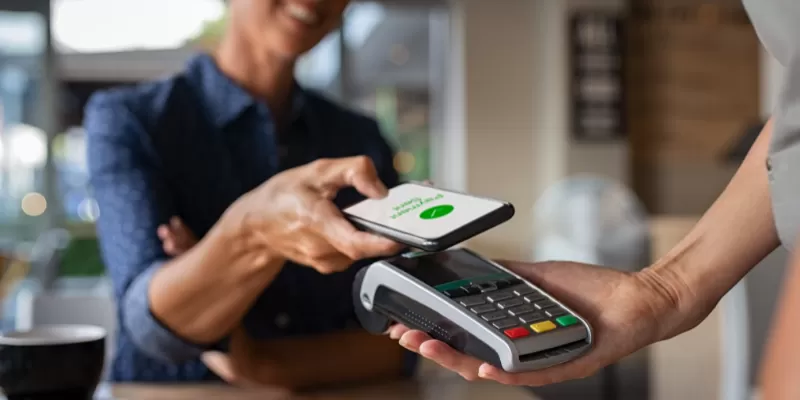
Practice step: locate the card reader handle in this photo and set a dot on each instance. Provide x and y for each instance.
(373, 322)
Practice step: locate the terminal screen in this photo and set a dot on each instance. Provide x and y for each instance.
(446, 267)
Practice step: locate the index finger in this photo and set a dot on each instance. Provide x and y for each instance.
(358, 172)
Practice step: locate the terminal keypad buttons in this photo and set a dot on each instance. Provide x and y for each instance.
(512, 307)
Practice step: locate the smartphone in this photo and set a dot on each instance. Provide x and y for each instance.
(428, 218)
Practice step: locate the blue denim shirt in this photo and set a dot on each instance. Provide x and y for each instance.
(189, 146)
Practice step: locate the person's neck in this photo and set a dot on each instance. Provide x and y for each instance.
(267, 77)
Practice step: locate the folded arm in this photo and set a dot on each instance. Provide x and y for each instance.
(177, 309)
(173, 309)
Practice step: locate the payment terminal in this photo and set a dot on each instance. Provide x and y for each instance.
(474, 305)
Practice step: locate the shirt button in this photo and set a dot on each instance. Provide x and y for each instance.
(282, 320)
(769, 164)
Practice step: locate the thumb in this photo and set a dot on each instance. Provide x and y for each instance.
(358, 172)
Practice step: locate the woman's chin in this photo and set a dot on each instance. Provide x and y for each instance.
(289, 50)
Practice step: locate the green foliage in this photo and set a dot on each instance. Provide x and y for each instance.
(211, 33)
(82, 259)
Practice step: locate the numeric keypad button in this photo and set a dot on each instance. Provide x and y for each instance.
(544, 304)
(493, 316)
(483, 309)
(534, 297)
(523, 290)
(509, 303)
(504, 323)
(472, 301)
(532, 317)
(555, 312)
(517, 311)
(500, 296)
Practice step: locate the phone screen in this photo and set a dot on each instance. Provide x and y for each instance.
(423, 211)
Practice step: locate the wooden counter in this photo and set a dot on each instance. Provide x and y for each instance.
(434, 389)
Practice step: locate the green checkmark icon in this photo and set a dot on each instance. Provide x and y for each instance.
(436, 211)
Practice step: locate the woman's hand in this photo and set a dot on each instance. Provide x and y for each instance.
(293, 216)
(624, 310)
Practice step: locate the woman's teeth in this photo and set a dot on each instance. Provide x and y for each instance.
(301, 13)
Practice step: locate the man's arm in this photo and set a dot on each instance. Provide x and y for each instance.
(171, 309)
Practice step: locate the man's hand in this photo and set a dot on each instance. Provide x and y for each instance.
(176, 237)
(622, 308)
(292, 215)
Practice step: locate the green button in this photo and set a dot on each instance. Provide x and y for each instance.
(567, 320)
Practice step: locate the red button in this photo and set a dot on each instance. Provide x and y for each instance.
(516, 333)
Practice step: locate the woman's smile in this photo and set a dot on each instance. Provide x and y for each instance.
(302, 15)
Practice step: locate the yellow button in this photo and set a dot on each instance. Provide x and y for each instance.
(543, 326)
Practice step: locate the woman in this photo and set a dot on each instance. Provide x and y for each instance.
(235, 152)
(758, 211)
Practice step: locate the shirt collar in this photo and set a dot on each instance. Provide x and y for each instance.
(223, 99)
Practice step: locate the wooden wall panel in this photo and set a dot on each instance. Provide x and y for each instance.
(693, 87)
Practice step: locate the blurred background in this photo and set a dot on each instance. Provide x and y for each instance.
(644, 108)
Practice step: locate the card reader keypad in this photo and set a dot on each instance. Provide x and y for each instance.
(513, 307)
